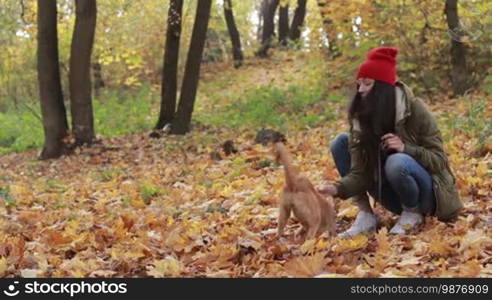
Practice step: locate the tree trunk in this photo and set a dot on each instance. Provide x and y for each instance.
(80, 76)
(181, 124)
(98, 79)
(268, 28)
(459, 71)
(169, 84)
(283, 24)
(329, 28)
(262, 11)
(298, 20)
(55, 123)
(237, 51)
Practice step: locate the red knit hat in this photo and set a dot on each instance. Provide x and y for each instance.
(380, 65)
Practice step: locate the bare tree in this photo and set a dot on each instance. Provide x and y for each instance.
(329, 28)
(181, 123)
(80, 76)
(170, 70)
(298, 20)
(53, 111)
(459, 70)
(237, 51)
(262, 8)
(283, 24)
(268, 28)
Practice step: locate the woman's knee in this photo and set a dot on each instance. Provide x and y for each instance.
(339, 143)
(396, 165)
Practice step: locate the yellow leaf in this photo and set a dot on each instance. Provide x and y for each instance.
(137, 203)
(354, 243)
(308, 246)
(306, 266)
(120, 254)
(71, 228)
(470, 269)
(440, 247)
(481, 169)
(226, 192)
(473, 180)
(384, 246)
(349, 212)
(167, 267)
(119, 228)
(3, 266)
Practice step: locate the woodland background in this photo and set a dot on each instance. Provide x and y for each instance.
(115, 195)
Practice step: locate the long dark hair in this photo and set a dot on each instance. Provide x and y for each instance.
(375, 113)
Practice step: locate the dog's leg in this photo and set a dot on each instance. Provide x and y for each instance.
(311, 232)
(283, 215)
(332, 224)
(314, 227)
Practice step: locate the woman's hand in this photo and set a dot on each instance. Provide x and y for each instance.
(328, 190)
(392, 142)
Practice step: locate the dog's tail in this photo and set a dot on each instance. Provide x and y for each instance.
(284, 157)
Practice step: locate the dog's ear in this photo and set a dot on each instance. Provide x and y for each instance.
(279, 138)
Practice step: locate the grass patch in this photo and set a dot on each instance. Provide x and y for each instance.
(118, 113)
(21, 130)
(115, 113)
(266, 106)
(149, 191)
(475, 122)
(110, 174)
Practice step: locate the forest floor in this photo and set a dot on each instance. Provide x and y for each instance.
(133, 206)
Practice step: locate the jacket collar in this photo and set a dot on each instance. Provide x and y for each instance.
(403, 97)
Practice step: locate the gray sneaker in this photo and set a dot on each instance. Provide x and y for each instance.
(364, 223)
(407, 221)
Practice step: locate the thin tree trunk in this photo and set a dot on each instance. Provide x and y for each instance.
(269, 21)
(169, 84)
(268, 28)
(80, 76)
(53, 111)
(459, 71)
(298, 20)
(329, 28)
(181, 124)
(98, 79)
(283, 24)
(237, 51)
(262, 11)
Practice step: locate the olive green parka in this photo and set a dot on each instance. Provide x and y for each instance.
(417, 128)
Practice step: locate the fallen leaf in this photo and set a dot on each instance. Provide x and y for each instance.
(306, 266)
(167, 267)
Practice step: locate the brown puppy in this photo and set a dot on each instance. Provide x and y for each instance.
(315, 212)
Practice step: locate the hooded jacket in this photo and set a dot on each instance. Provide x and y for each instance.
(418, 130)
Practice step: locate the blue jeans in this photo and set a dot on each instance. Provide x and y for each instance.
(405, 181)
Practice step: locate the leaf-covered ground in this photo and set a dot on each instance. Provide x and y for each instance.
(134, 206)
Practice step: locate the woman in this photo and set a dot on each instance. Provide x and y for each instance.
(393, 151)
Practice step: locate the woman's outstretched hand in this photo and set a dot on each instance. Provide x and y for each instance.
(328, 190)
